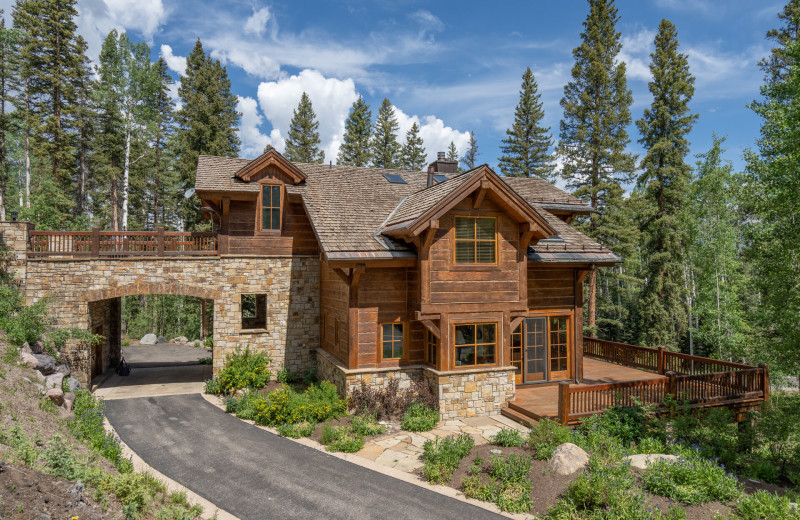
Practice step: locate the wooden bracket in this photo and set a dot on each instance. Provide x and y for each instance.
(351, 276)
(516, 321)
(526, 235)
(431, 326)
(481, 194)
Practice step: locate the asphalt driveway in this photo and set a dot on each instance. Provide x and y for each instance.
(254, 474)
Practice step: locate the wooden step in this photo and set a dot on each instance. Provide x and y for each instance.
(528, 412)
(518, 417)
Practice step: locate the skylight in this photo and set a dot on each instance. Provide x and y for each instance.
(394, 179)
(440, 178)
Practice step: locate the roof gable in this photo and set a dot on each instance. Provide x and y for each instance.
(270, 158)
(416, 213)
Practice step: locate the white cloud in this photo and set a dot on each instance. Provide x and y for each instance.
(636, 54)
(436, 137)
(175, 63)
(253, 141)
(145, 16)
(331, 98)
(257, 23)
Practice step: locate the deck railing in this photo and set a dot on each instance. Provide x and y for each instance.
(692, 381)
(121, 244)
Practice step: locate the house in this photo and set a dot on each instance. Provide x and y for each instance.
(472, 281)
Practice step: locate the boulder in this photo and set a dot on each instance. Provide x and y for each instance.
(56, 395)
(54, 381)
(45, 364)
(28, 359)
(63, 368)
(26, 348)
(162, 339)
(567, 459)
(149, 339)
(73, 384)
(38, 377)
(180, 340)
(642, 460)
(37, 347)
(69, 400)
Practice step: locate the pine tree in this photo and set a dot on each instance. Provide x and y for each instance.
(357, 129)
(413, 152)
(525, 149)
(84, 122)
(593, 134)
(163, 178)
(666, 181)
(384, 148)
(208, 122)
(452, 152)
(8, 118)
(471, 155)
(303, 141)
(776, 65)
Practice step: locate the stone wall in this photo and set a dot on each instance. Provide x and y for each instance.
(461, 394)
(14, 236)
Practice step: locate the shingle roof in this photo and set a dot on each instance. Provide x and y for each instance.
(348, 205)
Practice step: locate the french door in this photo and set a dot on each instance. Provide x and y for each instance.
(540, 349)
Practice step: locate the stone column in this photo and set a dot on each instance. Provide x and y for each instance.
(14, 237)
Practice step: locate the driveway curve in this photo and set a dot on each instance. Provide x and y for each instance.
(254, 474)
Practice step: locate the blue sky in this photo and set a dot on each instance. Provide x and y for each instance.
(451, 66)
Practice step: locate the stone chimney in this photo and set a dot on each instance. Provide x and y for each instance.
(441, 165)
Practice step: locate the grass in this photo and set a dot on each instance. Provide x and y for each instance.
(441, 457)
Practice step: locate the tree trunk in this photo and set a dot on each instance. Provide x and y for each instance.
(592, 304)
(126, 176)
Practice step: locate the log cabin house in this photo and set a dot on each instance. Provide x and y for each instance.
(472, 281)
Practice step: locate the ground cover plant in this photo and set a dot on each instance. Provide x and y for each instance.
(442, 456)
(419, 418)
(507, 438)
(691, 481)
(509, 484)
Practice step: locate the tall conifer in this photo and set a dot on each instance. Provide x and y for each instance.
(302, 144)
(525, 149)
(413, 152)
(666, 181)
(452, 152)
(384, 148)
(593, 134)
(357, 130)
(8, 117)
(471, 155)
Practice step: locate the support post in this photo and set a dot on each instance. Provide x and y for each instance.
(660, 359)
(563, 403)
(765, 380)
(203, 318)
(160, 242)
(672, 384)
(95, 242)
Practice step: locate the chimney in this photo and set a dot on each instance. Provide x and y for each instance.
(441, 165)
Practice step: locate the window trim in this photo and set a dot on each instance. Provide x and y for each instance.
(244, 329)
(475, 265)
(260, 207)
(498, 344)
(404, 340)
(431, 344)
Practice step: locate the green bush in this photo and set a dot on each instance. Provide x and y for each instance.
(341, 438)
(441, 457)
(419, 418)
(88, 425)
(507, 437)
(295, 431)
(509, 485)
(208, 342)
(762, 505)
(546, 436)
(366, 425)
(691, 481)
(283, 376)
(28, 323)
(317, 404)
(244, 406)
(243, 369)
(61, 460)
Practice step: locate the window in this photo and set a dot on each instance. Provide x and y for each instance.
(558, 345)
(254, 311)
(516, 352)
(440, 178)
(394, 178)
(475, 240)
(392, 340)
(430, 348)
(475, 344)
(270, 207)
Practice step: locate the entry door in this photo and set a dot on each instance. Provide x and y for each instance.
(559, 348)
(535, 349)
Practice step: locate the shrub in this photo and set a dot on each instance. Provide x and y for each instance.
(88, 425)
(509, 486)
(317, 404)
(546, 436)
(245, 406)
(213, 386)
(420, 418)
(514, 468)
(295, 431)
(243, 369)
(341, 438)
(60, 459)
(283, 376)
(762, 505)
(366, 425)
(208, 342)
(507, 437)
(310, 376)
(204, 361)
(692, 481)
(442, 456)
(391, 402)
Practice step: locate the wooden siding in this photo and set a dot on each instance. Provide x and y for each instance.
(551, 288)
(452, 283)
(296, 237)
(272, 172)
(334, 297)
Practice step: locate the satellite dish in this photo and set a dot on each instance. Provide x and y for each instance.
(188, 193)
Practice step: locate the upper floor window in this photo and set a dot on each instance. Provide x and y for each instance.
(476, 240)
(270, 207)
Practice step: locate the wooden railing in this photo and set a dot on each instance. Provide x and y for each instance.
(120, 244)
(692, 381)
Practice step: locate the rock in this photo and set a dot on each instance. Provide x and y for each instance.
(162, 339)
(69, 400)
(567, 459)
(28, 359)
(40, 388)
(149, 339)
(76, 490)
(45, 364)
(63, 368)
(54, 381)
(56, 395)
(37, 347)
(495, 451)
(26, 348)
(180, 340)
(38, 377)
(73, 384)
(642, 460)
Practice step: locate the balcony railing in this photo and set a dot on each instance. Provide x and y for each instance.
(121, 244)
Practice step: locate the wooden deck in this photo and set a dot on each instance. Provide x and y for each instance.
(534, 402)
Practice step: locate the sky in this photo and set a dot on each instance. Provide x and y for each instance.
(452, 67)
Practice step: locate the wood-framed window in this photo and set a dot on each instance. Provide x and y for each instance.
(254, 311)
(392, 339)
(476, 240)
(559, 344)
(475, 344)
(270, 207)
(431, 346)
